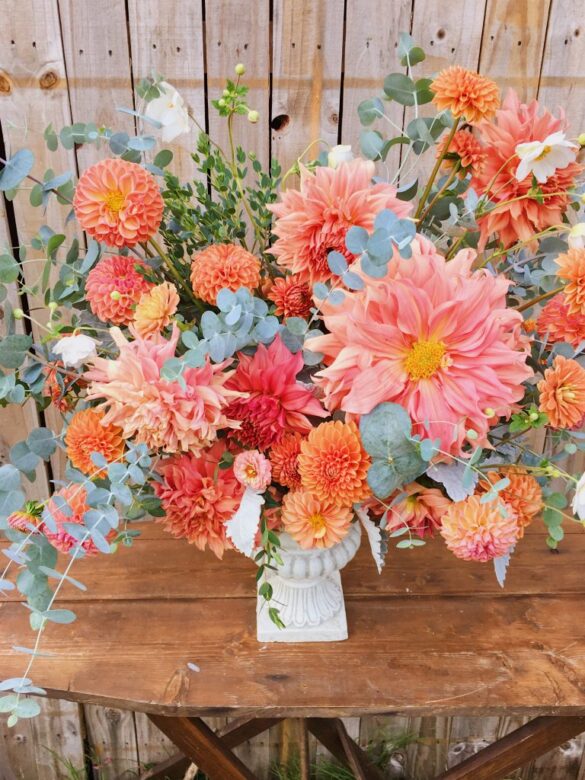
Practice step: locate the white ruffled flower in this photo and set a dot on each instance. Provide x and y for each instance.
(578, 505)
(170, 110)
(339, 154)
(577, 236)
(543, 158)
(75, 350)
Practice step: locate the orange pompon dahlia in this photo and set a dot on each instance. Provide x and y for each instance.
(478, 532)
(333, 464)
(523, 495)
(223, 265)
(293, 297)
(76, 498)
(421, 510)
(86, 434)
(562, 393)
(314, 523)
(118, 202)
(558, 324)
(198, 497)
(466, 94)
(155, 309)
(464, 148)
(114, 287)
(284, 459)
(313, 221)
(572, 269)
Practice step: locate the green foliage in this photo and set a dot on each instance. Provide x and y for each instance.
(16, 169)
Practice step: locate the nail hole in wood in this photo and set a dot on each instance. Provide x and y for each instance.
(280, 122)
(577, 33)
(441, 33)
(154, 45)
(34, 44)
(109, 52)
(178, 49)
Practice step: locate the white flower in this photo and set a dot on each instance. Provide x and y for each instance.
(75, 350)
(542, 158)
(578, 505)
(339, 154)
(170, 110)
(577, 236)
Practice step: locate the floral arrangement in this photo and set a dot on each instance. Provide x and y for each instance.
(253, 353)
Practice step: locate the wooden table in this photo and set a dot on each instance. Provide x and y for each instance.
(431, 635)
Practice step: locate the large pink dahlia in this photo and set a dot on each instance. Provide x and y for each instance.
(161, 413)
(273, 400)
(198, 497)
(432, 336)
(517, 123)
(313, 221)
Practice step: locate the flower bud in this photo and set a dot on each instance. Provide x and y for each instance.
(221, 103)
(115, 295)
(226, 93)
(18, 314)
(581, 139)
(53, 306)
(533, 416)
(489, 412)
(240, 69)
(471, 434)
(253, 117)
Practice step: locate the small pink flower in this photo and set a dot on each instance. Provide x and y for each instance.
(253, 470)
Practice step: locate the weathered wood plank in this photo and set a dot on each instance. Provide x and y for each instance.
(306, 67)
(97, 57)
(513, 43)
(171, 43)
(235, 35)
(113, 740)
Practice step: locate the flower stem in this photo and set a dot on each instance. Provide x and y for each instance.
(435, 170)
(533, 301)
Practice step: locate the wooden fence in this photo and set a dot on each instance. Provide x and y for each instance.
(309, 64)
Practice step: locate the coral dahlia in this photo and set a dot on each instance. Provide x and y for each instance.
(293, 297)
(155, 309)
(86, 434)
(466, 149)
(559, 324)
(562, 393)
(333, 464)
(118, 202)
(421, 510)
(516, 123)
(466, 94)
(198, 497)
(523, 495)
(223, 265)
(572, 270)
(433, 336)
(478, 532)
(314, 523)
(313, 221)
(284, 459)
(163, 414)
(273, 401)
(114, 287)
(76, 498)
(252, 469)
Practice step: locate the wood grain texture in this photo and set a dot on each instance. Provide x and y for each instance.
(170, 43)
(306, 68)
(113, 739)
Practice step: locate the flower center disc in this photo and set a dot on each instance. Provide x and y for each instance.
(546, 150)
(318, 522)
(115, 201)
(424, 359)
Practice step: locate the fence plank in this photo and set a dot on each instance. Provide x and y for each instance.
(307, 45)
(170, 44)
(563, 68)
(113, 740)
(152, 745)
(370, 44)
(32, 59)
(97, 56)
(513, 43)
(233, 35)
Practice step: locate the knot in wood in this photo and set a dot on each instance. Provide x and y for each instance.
(5, 85)
(49, 80)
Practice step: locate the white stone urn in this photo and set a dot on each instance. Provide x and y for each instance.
(307, 592)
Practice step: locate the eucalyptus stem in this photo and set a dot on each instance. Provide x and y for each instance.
(446, 185)
(435, 170)
(170, 266)
(533, 301)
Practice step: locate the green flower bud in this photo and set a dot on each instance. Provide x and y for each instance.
(253, 117)
(240, 69)
(18, 314)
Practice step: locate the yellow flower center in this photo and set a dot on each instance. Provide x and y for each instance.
(317, 521)
(251, 472)
(424, 359)
(546, 150)
(115, 201)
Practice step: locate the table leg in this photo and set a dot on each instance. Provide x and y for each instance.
(200, 743)
(516, 749)
(333, 735)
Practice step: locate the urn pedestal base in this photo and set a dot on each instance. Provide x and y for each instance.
(307, 592)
